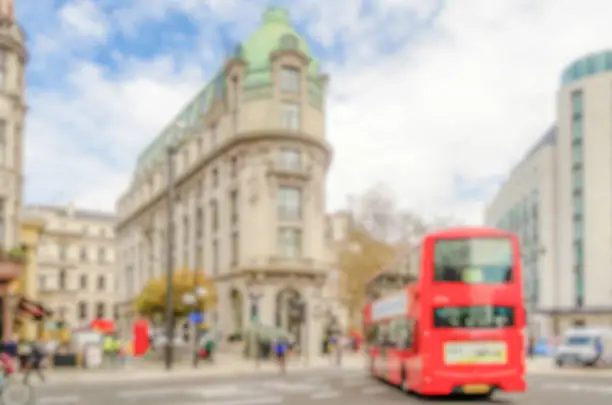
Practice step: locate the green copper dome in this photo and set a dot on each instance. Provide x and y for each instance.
(275, 33)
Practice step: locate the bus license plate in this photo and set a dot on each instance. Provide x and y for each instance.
(476, 388)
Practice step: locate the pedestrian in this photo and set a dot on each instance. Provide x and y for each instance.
(598, 350)
(340, 343)
(280, 348)
(35, 362)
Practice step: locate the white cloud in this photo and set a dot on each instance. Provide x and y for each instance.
(84, 18)
(468, 98)
(464, 98)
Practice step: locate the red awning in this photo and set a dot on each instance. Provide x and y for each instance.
(102, 325)
(36, 309)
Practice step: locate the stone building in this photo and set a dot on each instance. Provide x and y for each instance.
(251, 158)
(13, 59)
(75, 263)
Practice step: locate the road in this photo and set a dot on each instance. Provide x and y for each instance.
(304, 388)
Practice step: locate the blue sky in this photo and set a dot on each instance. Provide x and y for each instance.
(446, 95)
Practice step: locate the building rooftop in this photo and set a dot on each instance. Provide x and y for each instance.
(274, 33)
(589, 65)
(69, 211)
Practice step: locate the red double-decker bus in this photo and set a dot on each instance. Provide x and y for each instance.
(459, 329)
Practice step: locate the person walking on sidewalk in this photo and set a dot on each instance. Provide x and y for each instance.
(280, 347)
(35, 362)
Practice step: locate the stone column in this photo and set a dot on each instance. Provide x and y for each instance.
(7, 316)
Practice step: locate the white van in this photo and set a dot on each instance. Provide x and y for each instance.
(579, 347)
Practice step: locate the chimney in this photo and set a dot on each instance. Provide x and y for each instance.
(70, 207)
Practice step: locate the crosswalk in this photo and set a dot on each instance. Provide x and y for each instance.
(276, 390)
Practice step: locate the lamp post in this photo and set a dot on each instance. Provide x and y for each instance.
(171, 150)
(255, 295)
(532, 294)
(191, 299)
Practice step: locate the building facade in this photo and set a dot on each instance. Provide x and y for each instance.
(76, 263)
(249, 210)
(13, 59)
(566, 225)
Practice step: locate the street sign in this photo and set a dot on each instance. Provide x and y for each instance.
(196, 317)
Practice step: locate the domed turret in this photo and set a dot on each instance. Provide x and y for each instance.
(275, 33)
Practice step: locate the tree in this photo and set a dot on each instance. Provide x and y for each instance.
(382, 235)
(361, 258)
(151, 302)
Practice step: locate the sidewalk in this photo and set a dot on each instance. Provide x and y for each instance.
(228, 365)
(225, 365)
(547, 366)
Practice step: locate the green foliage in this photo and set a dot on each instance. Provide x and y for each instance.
(361, 259)
(151, 302)
(17, 255)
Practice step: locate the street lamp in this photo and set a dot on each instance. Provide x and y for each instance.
(191, 299)
(255, 294)
(171, 149)
(532, 297)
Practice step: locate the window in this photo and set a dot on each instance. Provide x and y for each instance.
(578, 256)
(3, 144)
(62, 279)
(83, 281)
(100, 310)
(234, 166)
(290, 80)
(82, 311)
(577, 128)
(578, 228)
(199, 225)
(185, 159)
(83, 254)
(63, 252)
(290, 242)
(577, 102)
(484, 316)
(473, 260)
(214, 135)
(215, 257)
(578, 204)
(42, 282)
(101, 255)
(2, 67)
(2, 220)
(234, 207)
(577, 178)
(215, 178)
(289, 203)
(101, 283)
(609, 61)
(214, 211)
(290, 116)
(290, 159)
(186, 241)
(235, 248)
(577, 153)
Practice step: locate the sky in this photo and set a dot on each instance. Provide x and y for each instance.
(436, 99)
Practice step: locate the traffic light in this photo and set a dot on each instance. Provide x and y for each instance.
(254, 312)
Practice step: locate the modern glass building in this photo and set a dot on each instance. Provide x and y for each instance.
(562, 192)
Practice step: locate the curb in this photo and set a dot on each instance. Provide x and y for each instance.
(135, 376)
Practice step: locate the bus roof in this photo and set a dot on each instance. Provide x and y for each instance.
(469, 231)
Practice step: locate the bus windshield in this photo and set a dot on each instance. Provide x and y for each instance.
(483, 316)
(473, 260)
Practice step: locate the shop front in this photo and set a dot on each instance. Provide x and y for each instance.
(11, 268)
